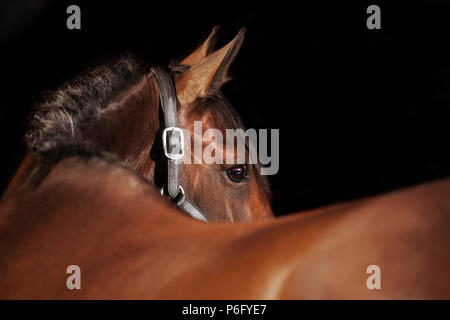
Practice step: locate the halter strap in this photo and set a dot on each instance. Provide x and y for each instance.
(173, 144)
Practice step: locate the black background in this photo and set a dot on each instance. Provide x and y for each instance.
(360, 111)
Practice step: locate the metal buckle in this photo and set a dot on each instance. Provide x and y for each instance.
(180, 188)
(174, 143)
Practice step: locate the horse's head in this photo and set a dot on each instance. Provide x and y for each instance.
(226, 191)
(117, 108)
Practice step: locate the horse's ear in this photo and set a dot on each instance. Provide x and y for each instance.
(209, 74)
(202, 51)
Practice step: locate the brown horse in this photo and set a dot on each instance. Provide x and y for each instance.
(78, 205)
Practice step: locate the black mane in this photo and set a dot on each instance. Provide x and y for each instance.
(58, 118)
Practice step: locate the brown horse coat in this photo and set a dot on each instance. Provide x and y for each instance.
(131, 243)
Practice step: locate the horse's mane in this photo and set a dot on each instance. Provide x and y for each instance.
(57, 120)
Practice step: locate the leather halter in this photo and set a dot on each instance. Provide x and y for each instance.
(173, 144)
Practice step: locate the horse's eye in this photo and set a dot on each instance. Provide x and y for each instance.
(237, 173)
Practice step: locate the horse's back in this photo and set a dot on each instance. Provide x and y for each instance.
(131, 243)
(325, 253)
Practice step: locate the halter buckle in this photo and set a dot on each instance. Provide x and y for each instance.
(173, 143)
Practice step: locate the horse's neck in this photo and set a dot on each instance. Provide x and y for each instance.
(129, 124)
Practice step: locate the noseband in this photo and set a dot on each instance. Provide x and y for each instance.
(173, 145)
